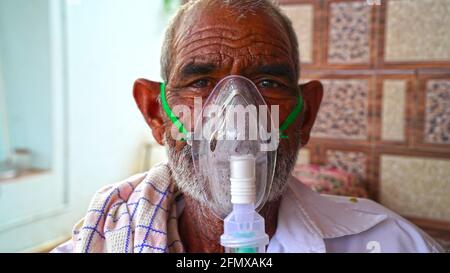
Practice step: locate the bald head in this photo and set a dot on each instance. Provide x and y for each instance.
(194, 14)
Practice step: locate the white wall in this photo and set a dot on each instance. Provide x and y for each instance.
(110, 44)
(99, 133)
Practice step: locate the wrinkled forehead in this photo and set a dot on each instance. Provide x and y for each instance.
(243, 21)
(221, 30)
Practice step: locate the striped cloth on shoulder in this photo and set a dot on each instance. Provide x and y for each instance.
(138, 215)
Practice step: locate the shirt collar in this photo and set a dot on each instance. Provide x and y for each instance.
(329, 218)
(306, 218)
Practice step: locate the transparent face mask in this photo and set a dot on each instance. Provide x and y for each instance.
(235, 121)
(218, 136)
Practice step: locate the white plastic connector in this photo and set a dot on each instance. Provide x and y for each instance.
(242, 178)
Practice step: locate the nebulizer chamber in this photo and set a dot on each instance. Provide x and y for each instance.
(244, 230)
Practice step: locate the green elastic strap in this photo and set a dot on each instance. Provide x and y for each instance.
(291, 117)
(289, 120)
(169, 112)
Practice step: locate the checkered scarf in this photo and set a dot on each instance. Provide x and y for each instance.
(136, 215)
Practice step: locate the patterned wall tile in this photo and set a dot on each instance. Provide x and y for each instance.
(437, 112)
(393, 110)
(352, 162)
(302, 17)
(415, 35)
(418, 187)
(349, 32)
(344, 110)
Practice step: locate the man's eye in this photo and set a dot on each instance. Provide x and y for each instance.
(200, 83)
(268, 84)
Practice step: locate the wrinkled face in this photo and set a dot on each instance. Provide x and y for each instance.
(212, 43)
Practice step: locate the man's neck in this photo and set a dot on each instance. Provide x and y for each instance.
(200, 230)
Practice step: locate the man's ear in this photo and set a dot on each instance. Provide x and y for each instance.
(312, 96)
(145, 94)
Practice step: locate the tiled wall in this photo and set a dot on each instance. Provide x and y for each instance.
(385, 114)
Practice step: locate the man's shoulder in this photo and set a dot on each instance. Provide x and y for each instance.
(394, 234)
(359, 203)
(156, 174)
(350, 224)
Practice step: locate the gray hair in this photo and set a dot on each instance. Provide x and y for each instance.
(242, 7)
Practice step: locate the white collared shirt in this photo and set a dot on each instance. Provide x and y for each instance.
(309, 222)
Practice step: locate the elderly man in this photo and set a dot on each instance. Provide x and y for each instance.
(167, 209)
